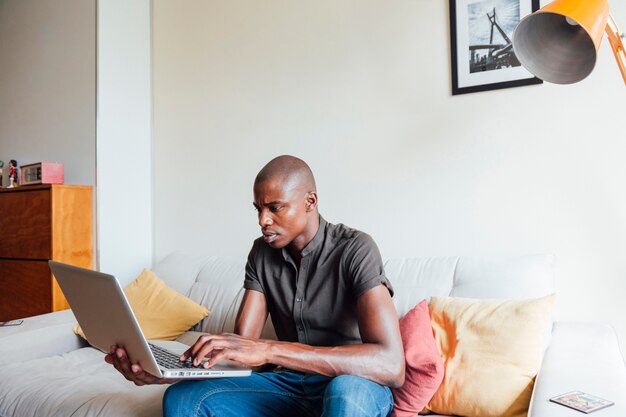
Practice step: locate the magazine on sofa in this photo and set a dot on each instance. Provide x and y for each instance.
(582, 401)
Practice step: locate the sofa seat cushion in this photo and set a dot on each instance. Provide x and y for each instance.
(79, 384)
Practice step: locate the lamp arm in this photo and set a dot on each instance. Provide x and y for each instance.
(617, 45)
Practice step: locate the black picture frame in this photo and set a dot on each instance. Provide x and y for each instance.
(471, 71)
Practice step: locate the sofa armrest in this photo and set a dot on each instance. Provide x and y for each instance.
(581, 357)
(39, 336)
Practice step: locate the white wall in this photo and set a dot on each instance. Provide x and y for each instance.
(48, 85)
(124, 138)
(48, 112)
(361, 90)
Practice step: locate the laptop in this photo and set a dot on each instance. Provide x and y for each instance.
(103, 312)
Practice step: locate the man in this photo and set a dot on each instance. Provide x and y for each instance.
(339, 347)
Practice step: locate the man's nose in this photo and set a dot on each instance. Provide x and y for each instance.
(265, 219)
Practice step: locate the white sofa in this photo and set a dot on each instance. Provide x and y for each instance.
(46, 370)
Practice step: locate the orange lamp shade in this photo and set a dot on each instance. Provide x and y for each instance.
(590, 14)
(559, 43)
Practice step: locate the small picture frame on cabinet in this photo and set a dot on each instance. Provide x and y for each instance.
(42, 173)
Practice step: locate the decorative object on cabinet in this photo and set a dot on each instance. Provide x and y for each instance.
(13, 174)
(480, 40)
(42, 173)
(39, 223)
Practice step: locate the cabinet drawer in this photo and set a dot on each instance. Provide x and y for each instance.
(25, 289)
(25, 222)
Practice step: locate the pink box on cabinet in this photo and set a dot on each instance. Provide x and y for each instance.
(42, 173)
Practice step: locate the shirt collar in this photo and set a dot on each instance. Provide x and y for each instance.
(314, 244)
(317, 240)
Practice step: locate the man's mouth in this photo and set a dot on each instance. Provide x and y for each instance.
(269, 237)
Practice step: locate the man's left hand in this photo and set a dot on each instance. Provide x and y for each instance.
(218, 347)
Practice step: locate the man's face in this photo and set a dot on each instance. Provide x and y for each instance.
(282, 212)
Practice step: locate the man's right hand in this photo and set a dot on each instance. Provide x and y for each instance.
(132, 371)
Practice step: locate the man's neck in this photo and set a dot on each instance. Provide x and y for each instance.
(296, 247)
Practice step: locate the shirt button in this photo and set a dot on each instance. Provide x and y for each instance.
(298, 300)
(300, 328)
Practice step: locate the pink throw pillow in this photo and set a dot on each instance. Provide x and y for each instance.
(424, 367)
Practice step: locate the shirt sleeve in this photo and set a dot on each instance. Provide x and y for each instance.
(365, 265)
(252, 280)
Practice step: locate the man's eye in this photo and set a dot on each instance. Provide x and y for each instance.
(274, 209)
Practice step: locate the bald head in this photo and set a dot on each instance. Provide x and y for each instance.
(291, 172)
(286, 201)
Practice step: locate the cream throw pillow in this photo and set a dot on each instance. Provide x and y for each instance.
(491, 350)
(162, 312)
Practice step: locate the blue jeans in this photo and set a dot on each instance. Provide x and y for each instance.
(275, 394)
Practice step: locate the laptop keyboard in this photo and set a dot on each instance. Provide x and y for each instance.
(169, 360)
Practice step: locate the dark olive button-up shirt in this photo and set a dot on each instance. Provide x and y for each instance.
(316, 305)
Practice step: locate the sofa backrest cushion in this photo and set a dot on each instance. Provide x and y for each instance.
(416, 279)
(220, 285)
(180, 270)
(518, 277)
(217, 282)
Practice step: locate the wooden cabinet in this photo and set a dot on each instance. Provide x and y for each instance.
(38, 223)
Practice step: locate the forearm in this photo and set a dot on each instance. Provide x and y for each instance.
(380, 358)
(371, 361)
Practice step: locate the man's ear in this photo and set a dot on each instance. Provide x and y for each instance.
(311, 200)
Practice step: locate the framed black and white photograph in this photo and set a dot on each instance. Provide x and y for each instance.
(482, 51)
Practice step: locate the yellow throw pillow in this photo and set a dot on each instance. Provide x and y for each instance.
(162, 312)
(491, 351)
